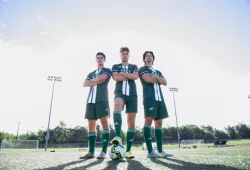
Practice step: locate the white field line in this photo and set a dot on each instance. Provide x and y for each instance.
(214, 156)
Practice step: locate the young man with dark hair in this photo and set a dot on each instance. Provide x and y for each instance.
(125, 75)
(98, 106)
(154, 105)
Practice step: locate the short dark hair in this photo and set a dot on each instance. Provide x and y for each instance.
(101, 53)
(124, 49)
(144, 55)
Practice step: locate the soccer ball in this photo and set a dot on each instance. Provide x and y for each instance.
(117, 152)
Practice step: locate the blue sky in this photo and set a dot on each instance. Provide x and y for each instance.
(202, 47)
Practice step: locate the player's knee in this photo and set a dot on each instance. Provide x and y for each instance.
(131, 122)
(92, 125)
(131, 125)
(158, 123)
(148, 120)
(104, 122)
(92, 128)
(118, 104)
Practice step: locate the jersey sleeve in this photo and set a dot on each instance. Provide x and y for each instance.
(115, 68)
(135, 68)
(88, 77)
(160, 74)
(107, 71)
(142, 71)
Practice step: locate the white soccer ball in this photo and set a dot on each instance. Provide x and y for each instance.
(117, 152)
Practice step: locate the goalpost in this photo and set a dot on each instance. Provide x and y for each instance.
(191, 143)
(19, 144)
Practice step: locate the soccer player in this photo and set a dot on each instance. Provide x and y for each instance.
(154, 105)
(125, 75)
(98, 106)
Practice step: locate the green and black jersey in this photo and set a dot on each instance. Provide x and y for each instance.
(151, 91)
(126, 87)
(99, 93)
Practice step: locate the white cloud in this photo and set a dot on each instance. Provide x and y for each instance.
(206, 94)
(44, 33)
(1, 34)
(3, 25)
(42, 18)
(58, 24)
(38, 16)
(48, 42)
(56, 35)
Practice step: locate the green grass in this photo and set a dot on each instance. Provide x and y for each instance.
(137, 148)
(201, 158)
(223, 158)
(239, 142)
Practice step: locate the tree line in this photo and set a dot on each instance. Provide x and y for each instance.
(79, 134)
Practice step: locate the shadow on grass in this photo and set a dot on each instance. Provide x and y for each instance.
(133, 164)
(98, 161)
(112, 164)
(183, 165)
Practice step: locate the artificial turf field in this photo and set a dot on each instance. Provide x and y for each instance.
(224, 158)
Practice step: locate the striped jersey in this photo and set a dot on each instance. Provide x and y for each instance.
(99, 93)
(151, 91)
(126, 87)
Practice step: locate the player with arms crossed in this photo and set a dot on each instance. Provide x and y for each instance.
(125, 75)
(154, 105)
(98, 106)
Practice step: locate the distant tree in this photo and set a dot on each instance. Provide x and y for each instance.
(173, 133)
(79, 134)
(242, 130)
(41, 136)
(60, 134)
(5, 135)
(112, 131)
(99, 133)
(231, 132)
(187, 132)
(207, 129)
(220, 134)
(138, 135)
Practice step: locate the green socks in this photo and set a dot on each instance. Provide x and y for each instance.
(158, 136)
(130, 138)
(105, 140)
(92, 139)
(147, 137)
(117, 122)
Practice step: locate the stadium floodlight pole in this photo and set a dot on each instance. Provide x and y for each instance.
(177, 127)
(54, 79)
(17, 130)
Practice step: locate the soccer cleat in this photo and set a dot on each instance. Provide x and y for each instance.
(129, 155)
(154, 154)
(164, 154)
(88, 156)
(117, 141)
(102, 155)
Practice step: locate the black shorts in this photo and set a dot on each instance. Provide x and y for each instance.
(130, 102)
(96, 111)
(156, 109)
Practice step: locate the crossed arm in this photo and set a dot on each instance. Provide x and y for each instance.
(154, 79)
(125, 76)
(95, 81)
